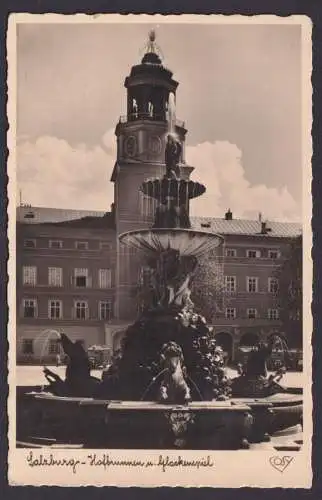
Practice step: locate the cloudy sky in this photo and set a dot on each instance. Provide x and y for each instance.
(239, 95)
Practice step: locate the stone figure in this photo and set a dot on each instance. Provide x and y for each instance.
(135, 108)
(173, 274)
(150, 109)
(254, 380)
(173, 151)
(78, 380)
(78, 365)
(174, 388)
(56, 384)
(256, 365)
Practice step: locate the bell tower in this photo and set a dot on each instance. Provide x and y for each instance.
(141, 139)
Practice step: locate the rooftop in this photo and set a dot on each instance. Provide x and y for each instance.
(247, 227)
(65, 217)
(45, 215)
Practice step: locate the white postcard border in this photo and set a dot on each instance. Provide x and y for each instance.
(230, 469)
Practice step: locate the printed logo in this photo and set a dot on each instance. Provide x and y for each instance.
(280, 463)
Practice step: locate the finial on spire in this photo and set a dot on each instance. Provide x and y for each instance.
(152, 36)
(151, 47)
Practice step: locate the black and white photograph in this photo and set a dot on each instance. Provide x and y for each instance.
(159, 229)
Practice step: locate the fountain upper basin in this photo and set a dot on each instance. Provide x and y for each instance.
(179, 189)
(187, 241)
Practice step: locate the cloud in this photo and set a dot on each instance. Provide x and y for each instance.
(218, 165)
(52, 172)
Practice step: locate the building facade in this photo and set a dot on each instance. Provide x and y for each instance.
(74, 276)
(65, 280)
(249, 263)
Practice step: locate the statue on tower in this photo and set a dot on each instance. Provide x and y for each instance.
(173, 152)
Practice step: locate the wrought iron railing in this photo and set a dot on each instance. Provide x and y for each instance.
(148, 116)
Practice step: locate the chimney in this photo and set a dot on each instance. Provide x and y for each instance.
(264, 228)
(228, 215)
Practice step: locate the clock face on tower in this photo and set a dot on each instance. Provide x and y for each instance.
(130, 146)
(155, 145)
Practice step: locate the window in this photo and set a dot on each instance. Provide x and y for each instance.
(272, 285)
(29, 308)
(231, 252)
(251, 313)
(29, 243)
(105, 278)
(54, 346)
(105, 310)
(81, 279)
(253, 254)
(29, 275)
(213, 253)
(147, 205)
(55, 244)
(273, 254)
(27, 346)
(273, 314)
(81, 309)
(81, 245)
(140, 306)
(230, 313)
(145, 275)
(55, 309)
(230, 284)
(295, 315)
(55, 276)
(105, 246)
(252, 285)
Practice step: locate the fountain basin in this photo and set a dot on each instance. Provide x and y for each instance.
(186, 241)
(98, 423)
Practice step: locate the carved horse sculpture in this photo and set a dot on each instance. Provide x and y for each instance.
(174, 388)
(253, 380)
(78, 381)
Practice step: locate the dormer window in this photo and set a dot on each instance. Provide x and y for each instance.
(29, 215)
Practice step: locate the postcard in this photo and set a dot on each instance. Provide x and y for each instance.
(160, 277)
